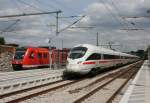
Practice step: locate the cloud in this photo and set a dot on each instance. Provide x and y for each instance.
(35, 30)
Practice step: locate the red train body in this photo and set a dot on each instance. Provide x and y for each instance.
(33, 57)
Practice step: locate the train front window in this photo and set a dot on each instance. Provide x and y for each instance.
(19, 55)
(77, 52)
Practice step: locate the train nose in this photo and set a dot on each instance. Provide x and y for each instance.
(73, 67)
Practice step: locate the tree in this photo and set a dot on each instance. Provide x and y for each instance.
(2, 40)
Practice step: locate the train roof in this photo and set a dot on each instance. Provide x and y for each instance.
(104, 50)
(31, 48)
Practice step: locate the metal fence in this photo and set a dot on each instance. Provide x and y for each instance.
(59, 58)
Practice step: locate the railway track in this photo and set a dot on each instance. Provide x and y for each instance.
(27, 94)
(129, 73)
(22, 95)
(12, 97)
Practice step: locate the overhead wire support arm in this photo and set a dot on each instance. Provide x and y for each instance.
(30, 14)
(135, 17)
(71, 24)
(70, 17)
(78, 27)
(132, 29)
(10, 26)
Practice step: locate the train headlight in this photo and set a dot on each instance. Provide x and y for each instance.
(79, 62)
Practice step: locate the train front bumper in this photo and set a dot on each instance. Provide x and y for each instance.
(77, 69)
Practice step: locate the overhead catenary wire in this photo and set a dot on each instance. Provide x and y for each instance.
(90, 27)
(17, 6)
(124, 22)
(10, 26)
(29, 14)
(23, 2)
(35, 7)
(134, 25)
(65, 6)
(44, 11)
(71, 24)
(46, 4)
(39, 13)
(145, 30)
(112, 14)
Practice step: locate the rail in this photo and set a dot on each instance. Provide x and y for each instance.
(122, 73)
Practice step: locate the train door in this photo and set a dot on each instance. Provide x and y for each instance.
(45, 58)
(39, 55)
(31, 60)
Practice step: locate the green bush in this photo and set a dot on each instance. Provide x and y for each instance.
(2, 40)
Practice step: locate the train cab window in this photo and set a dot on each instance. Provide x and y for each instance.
(77, 52)
(39, 55)
(94, 56)
(19, 54)
(31, 55)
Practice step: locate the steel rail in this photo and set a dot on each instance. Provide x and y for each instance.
(81, 99)
(47, 90)
(28, 89)
(123, 85)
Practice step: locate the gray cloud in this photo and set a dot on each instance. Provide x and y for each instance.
(33, 30)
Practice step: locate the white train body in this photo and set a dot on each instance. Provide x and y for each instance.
(85, 58)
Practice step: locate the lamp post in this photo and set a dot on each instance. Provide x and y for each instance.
(50, 58)
(149, 54)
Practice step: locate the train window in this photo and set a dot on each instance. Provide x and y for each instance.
(39, 55)
(116, 57)
(121, 57)
(31, 55)
(107, 56)
(94, 56)
(77, 52)
(45, 55)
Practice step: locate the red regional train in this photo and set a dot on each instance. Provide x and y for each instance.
(34, 57)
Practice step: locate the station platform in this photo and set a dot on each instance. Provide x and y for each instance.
(20, 80)
(26, 75)
(139, 89)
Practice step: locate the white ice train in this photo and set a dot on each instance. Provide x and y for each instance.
(86, 58)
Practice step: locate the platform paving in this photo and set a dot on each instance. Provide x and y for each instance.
(139, 89)
(18, 76)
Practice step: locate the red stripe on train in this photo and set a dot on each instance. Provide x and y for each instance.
(89, 63)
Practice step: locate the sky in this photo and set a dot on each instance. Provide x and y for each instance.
(112, 19)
